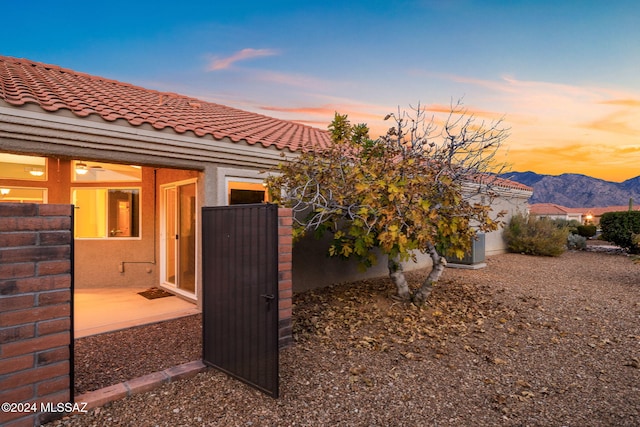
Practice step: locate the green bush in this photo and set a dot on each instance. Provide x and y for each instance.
(620, 229)
(571, 225)
(586, 230)
(535, 237)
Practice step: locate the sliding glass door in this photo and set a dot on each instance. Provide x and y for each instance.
(179, 236)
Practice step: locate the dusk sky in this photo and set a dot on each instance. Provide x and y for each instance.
(565, 75)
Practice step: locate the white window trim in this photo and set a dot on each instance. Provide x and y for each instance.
(225, 175)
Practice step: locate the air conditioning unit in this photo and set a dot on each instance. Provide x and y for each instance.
(474, 257)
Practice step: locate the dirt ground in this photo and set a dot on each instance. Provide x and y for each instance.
(526, 341)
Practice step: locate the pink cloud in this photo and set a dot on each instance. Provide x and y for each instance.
(242, 55)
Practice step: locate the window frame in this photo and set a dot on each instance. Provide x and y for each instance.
(252, 182)
(27, 176)
(45, 193)
(107, 236)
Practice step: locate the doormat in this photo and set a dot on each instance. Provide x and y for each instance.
(155, 293)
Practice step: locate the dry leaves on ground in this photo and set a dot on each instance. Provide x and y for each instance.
(526, 341)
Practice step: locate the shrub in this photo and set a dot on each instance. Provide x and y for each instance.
(535, 237)
(620, 228)
(576, 242)
(571, 225)
(586, 230)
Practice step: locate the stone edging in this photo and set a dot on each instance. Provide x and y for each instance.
(142, 384)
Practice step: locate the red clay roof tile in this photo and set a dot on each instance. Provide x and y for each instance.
(500, 182)
(54, 88)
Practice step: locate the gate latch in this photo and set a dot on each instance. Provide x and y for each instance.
(268, 297)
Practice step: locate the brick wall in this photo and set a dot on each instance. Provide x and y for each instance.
(35, 308)
(285, 278)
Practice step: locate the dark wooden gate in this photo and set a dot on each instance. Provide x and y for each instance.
(240, 292)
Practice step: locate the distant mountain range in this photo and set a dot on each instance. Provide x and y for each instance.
(578, 191)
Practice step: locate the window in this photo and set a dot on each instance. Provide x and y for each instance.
(105, 213)
(243, 192)
(27, 168)
(23, 195)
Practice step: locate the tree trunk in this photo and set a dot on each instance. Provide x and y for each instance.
(439, 263)
(397, 277)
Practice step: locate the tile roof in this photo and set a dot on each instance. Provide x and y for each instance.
(554, 209)
(53, 88)
(601, 210)
(500, 182)
(550, 209)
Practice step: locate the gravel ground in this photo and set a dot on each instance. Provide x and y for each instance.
(527, 341)
(111, 358)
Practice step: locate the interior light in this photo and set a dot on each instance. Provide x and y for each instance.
(81, 168)
(5, 191)
(35, 171)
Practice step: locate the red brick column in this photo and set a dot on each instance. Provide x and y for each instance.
(35, 309)
(285, 278)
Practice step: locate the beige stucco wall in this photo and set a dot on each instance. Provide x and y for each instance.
(512, 202)
(313, 268)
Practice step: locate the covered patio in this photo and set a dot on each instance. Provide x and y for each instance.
(101, 310)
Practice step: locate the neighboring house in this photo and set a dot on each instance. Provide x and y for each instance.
(138, 165)
(593, 215)
(583, 215)
(553, 211)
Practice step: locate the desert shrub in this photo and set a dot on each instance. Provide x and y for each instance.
(530, 236)
(571, 225)
(565, 223)
(576, 242)
(586, 230)
(620, 229)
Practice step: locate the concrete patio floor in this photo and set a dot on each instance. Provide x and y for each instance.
(105, 309)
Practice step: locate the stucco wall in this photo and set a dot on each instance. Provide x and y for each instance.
(512, 204)
(313, 268)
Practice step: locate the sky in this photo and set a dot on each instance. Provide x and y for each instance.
(563, 76)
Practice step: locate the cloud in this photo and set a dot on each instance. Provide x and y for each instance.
(313, 111)
(242, 55)
(464, 110)
(540, 111)
(623, 102)
(614, 123)
(628, 150)
(322, 115)
(291, 79)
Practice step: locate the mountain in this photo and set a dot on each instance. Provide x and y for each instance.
(577, 191)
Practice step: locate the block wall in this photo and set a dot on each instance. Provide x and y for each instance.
(285, 277)
(35, 310)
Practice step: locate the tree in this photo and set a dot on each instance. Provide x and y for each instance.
(623, 229)
(415, 189)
